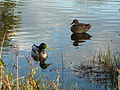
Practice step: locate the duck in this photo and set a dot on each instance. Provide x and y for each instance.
(79, 27)
(38, 53)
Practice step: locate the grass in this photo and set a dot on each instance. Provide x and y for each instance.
(12, 81)
(102, 70)
(109, 59)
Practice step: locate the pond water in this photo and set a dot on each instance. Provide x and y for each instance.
(49, 21)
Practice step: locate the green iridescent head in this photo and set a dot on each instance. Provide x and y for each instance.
(44, 46)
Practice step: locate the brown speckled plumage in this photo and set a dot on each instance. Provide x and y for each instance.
(79, 27)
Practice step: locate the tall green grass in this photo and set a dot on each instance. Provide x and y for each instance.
(102, 69)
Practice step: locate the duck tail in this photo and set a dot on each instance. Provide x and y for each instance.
(89, 25)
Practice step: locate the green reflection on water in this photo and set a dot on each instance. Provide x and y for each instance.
(9, 20)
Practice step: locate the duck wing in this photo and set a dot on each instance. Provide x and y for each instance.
(84, 27)
(34, 52)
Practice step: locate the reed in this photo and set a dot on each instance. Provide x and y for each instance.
(102, 69)
(109, 59)
(11, 81)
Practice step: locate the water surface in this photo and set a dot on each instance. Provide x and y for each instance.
(49, 21)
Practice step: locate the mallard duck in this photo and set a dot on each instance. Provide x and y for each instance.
(79, 27)
(38, 52)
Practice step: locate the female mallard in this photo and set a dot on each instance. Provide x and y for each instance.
(38, 52)
(79, 27)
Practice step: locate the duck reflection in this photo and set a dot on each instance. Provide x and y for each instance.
(43, 65)
(79, 38)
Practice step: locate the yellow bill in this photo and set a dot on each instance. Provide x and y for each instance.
(48, 48)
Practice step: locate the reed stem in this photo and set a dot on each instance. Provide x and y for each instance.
(17, 77)
(1, 68)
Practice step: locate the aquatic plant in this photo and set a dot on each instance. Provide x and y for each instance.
(101, 70)
(26, 82)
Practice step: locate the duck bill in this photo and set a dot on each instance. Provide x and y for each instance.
(72, 23)
(48, 48)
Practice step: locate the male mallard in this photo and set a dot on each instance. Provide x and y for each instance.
(79, 27)
(38, 52)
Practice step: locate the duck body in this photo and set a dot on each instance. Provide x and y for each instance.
(38, 53)
(79, 27)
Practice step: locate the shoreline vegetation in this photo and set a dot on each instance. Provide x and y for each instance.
(10, 80)
(103, 69)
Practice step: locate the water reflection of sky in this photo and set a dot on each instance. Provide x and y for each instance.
(48, 21)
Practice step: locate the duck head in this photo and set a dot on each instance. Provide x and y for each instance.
(75, 22)
(44, 46)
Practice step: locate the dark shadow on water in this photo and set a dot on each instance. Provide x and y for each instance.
(80, 38)
(43, 65)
